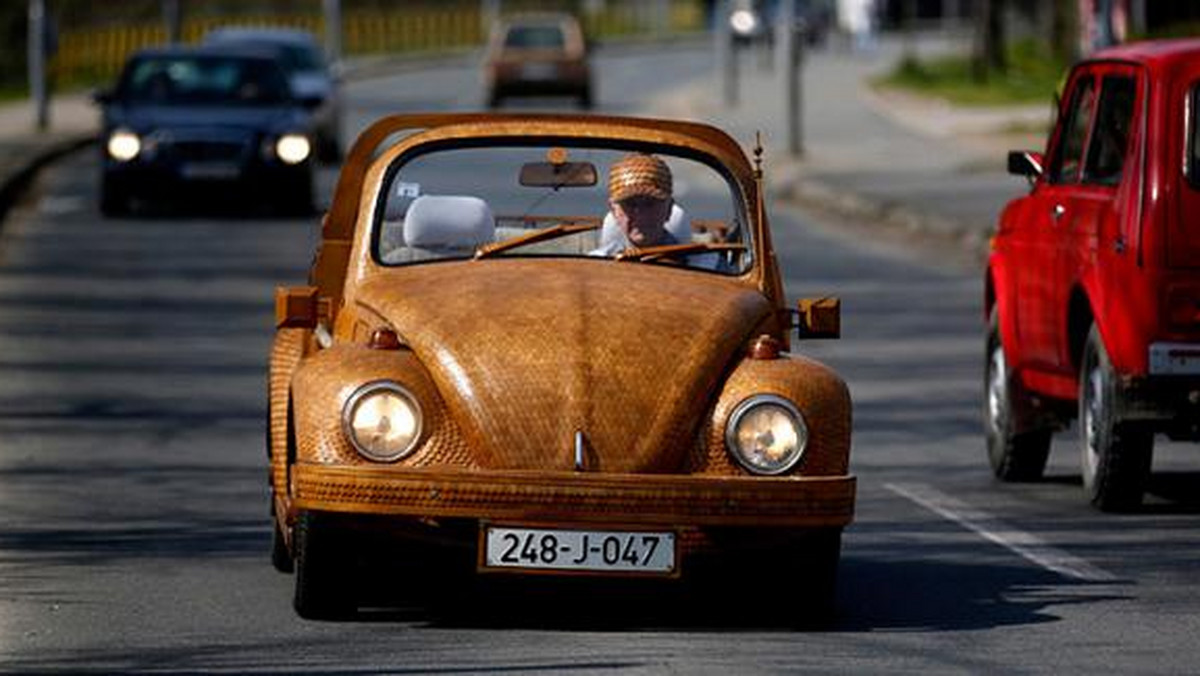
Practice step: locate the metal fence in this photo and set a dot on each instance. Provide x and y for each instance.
(96, 54)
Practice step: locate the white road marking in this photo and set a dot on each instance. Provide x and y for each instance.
(61, 205)
(1025, 544)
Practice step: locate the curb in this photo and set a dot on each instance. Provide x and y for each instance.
(13, 186)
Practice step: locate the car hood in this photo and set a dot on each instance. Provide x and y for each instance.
(527, 353)
(148, 118)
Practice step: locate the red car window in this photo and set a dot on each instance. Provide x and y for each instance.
(1068, 158)
(1106, 152)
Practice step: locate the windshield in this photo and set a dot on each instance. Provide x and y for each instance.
(557, 201)
(190, 80)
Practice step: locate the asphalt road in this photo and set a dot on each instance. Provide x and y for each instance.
(133, 506)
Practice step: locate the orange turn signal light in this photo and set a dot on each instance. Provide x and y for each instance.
(384, 339)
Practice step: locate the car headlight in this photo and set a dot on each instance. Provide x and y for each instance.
(123, 145)
(766, 434)
(382, 420)
(293, 148)
(743, 22)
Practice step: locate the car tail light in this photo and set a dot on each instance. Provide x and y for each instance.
(1183, 308)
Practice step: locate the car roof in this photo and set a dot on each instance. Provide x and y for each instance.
(237, 51)
(292, 36)
(1153, 53)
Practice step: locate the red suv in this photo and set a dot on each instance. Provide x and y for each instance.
(1093, 283)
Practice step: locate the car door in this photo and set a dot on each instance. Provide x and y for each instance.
(1041, 256)
(1092, 229)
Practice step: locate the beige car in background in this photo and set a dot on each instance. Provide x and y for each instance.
(537, 55)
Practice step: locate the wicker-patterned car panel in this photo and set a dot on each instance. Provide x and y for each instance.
(535, 350)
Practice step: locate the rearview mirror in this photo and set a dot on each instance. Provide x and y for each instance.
(1025, 163)
(102, 97)
(558, 175)
(296, 307)
(819, 318)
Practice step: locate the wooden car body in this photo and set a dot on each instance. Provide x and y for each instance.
(559, 392)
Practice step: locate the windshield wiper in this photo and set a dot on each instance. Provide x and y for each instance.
(553, 232)
(653, 253)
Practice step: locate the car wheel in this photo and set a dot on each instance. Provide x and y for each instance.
(1115, 455)
(114, 200)
(329, 149)
(299, 200)
(323, 589)
(281, 557)
(811, 601)
(1014, 456)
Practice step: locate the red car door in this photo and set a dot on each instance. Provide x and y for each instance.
(1042, 256)
(1091, 229)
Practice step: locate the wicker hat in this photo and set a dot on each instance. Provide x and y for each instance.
(639, 174)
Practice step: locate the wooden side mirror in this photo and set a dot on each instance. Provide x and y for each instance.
(819, 318)
(296, 307)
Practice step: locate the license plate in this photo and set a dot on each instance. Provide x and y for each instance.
(211, 170)
(580, 550)
(1175, 359)
(539, 71)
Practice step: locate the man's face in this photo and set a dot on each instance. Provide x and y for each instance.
(642, 219)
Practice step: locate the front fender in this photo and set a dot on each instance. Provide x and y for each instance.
(817, 391)
(324, 383)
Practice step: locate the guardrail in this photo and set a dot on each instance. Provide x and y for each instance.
(94, 55)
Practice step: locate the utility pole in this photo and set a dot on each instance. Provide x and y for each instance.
(726, 56)
(489, 14)
(789, 56)
(36, 55)
(333, 31)
(173, 17)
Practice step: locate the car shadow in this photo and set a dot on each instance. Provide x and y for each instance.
(873, 595)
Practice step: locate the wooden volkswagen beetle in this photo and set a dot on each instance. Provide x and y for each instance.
(481, 373)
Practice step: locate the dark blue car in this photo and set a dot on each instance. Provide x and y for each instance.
(187, 119)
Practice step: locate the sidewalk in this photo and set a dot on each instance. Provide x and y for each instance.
(74, 122)
(915, 166)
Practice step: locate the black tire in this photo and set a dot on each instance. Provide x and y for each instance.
(812, 602)
(114, 201)
(323, 586)
(1014, 454)
(299, 201)
(281, 558)
(1115, 456)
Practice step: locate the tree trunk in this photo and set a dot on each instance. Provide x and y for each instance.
(990, 40)
(1064, 30)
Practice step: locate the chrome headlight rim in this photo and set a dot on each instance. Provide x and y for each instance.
(749, 404)
(123, 145)
(371, 388)
(292, 148)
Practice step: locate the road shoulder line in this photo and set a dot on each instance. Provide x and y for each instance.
(1027, 545)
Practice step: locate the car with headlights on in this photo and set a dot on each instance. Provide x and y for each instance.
(537, 54)
(195, 118)
(483, 379)
(313, 79)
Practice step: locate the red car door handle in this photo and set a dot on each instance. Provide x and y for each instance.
(1058, 212)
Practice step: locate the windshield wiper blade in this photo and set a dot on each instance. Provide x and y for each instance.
(553, 232)
(653, 253)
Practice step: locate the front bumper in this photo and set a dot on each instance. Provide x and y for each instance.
(578, 498)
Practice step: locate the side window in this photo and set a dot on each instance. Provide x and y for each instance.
(1110, 140)
(1193, 158)
(1068, 158)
